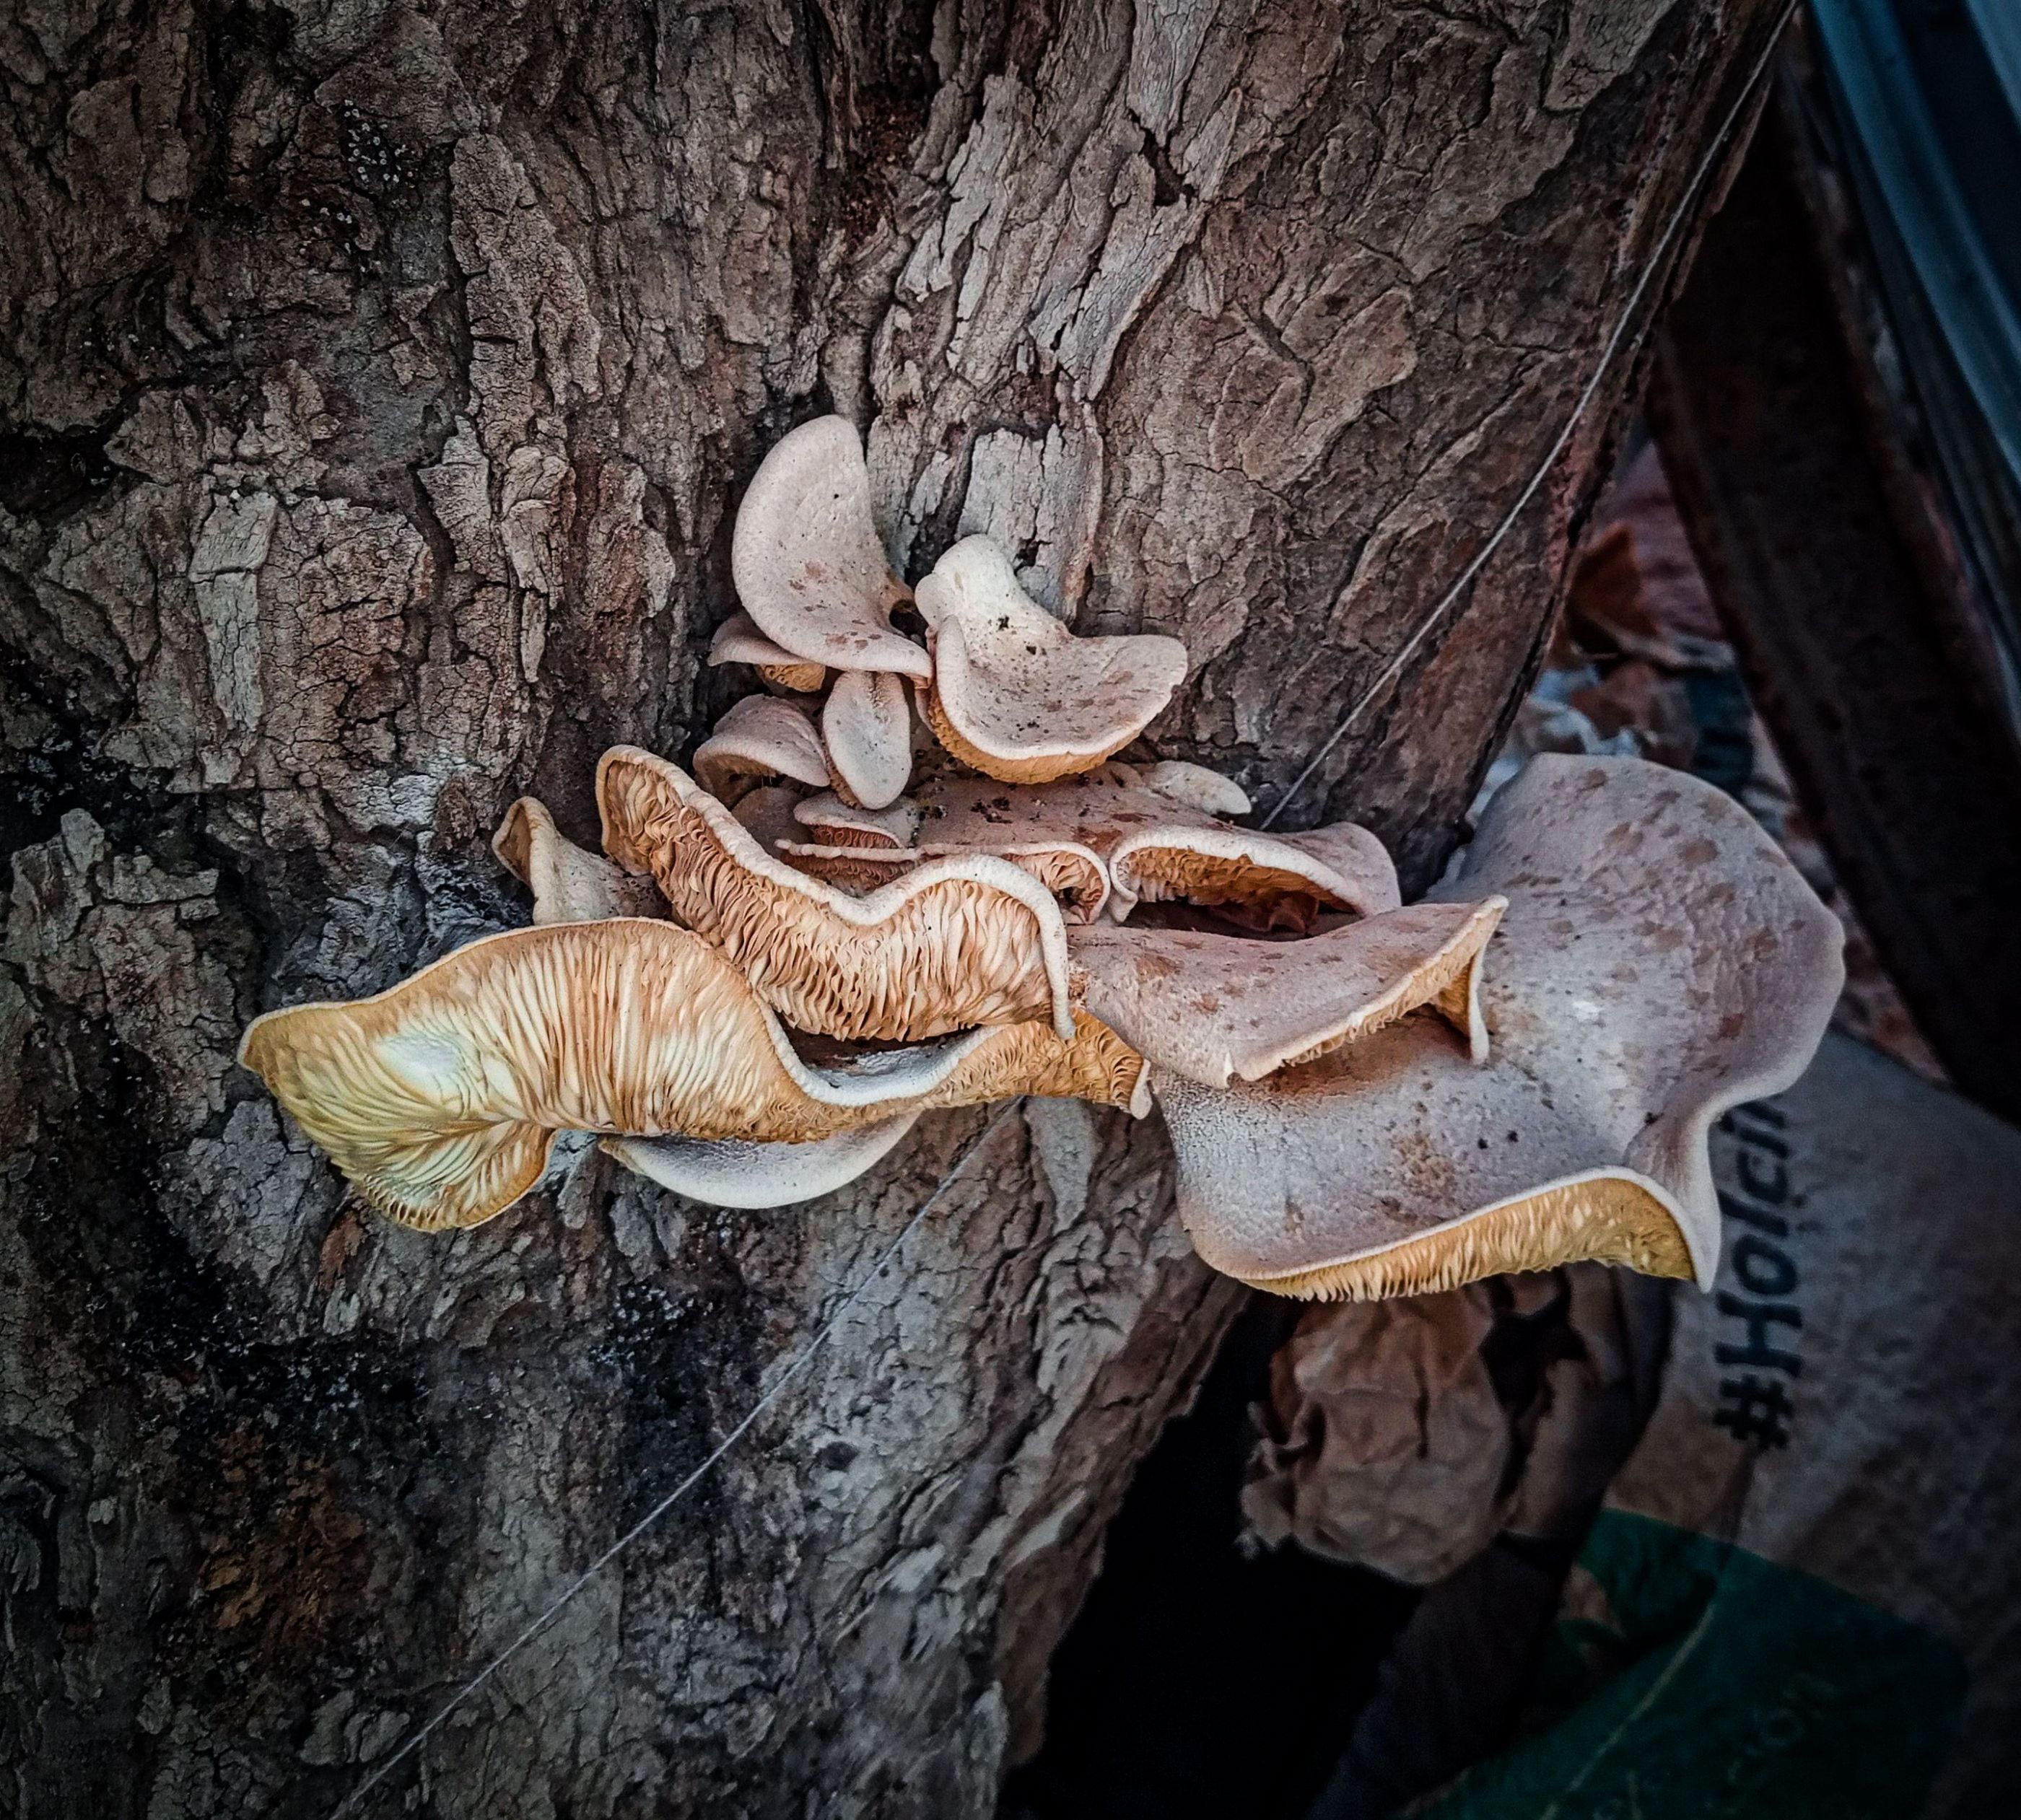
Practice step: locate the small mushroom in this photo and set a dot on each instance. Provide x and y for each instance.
(440, 1099)
(1659, 961)
(829, 821)
(1213, 1008)
(1156, 846)
(737, 640)
(760, 736)
(807, 560)
(965, 940)
(569, 884)
(737, 1172)
(867, 733)
(1017, 696)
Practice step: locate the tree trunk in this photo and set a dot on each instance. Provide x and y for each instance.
(377, 382)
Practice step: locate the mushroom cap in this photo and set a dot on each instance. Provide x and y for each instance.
(866, 733)
(1288, 879)
(1196, 786)
(569, 884)
(737, 640)
(762, 737)
(439, 1099)
(1660, 960)
(1015, 694)
(827, 820)
(737, 1172)
(966, 939)
(1213, 1008)
(1158, 846)
(806, 559)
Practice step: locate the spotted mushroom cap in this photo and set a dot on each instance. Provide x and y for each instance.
(1660, 961)
(1014, 693)
(1215, 1008)
(807, 560)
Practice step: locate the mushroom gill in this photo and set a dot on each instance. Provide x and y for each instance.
(1017, 696)
(1659, 962)
(439, 1099)
(959, 941)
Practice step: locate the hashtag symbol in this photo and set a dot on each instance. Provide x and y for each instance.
(1755, 1409)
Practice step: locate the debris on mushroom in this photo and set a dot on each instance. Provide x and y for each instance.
(1660, 962)
(1213, 1008)
(1014, 693)
(807, 560)
(867, 733)
(439, 1099)
(737, 640)
(569, 884)
(966, 939)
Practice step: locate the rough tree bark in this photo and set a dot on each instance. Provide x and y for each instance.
(376, 379)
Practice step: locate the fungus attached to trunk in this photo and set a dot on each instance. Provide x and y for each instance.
(1016, 695)
(866, 733)
(1215, 1008)
(761, 737)
(1659, 961)
(440, 1099)
(966, 940)
(569, 884)
(807, 560)
(737, 640)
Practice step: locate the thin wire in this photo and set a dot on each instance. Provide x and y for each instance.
(1392, 670)
(793, 1370)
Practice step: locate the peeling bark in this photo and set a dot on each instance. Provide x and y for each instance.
(377, 383)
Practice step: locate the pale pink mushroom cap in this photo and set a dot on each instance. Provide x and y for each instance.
(737, 640)
(762, 737)
(569, 884)
(1660, 961)
(1216, 1008)
(808, 564)
(1015, 694)
(867, 733)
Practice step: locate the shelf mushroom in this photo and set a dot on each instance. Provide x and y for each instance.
(1016, 695)
(964, 940)
(737, 640)
(440, 1099)
(1659, 961)
(1216, 1008)
(758, 738)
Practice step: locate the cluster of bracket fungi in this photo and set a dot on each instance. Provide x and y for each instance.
(938, 886)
